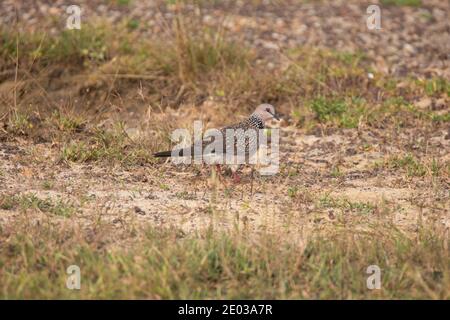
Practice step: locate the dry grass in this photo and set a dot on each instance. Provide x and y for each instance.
(194, 63)
(163, 264)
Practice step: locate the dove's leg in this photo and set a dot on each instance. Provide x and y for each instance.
(237, 173)
(251, 181)
(235, 176)
(219, 172)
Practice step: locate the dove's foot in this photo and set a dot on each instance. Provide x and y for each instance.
(236, 178)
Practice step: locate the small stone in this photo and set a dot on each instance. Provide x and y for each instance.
(53, 11)
(424, 103)
(331, 215)
(139, 211)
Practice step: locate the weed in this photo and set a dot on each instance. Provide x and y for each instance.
(435, 87)
(19, 123)
(67, 122)
(185, 195)
(30, 201)
(7, 202)
(336, 172)
(411, 3)
(106, 145)
(413, 166)
(363, 208)
(325, 109)
(47, 185)
(292, 192)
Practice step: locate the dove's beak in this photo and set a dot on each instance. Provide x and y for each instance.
(275, 116)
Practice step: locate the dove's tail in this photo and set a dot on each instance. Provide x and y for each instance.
(163, 154)
(186, 152)
(176, 153)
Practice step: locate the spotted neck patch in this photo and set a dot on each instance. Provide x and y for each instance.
(256, 122)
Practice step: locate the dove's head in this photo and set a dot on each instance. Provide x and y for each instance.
(265, 112)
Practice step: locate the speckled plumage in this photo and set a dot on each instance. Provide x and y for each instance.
(242, 129)
(240, 134)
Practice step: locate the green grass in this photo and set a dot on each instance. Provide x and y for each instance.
(47, 185)
(350, 59)
(345, 113)
(67, 122)
(185, 195)
(327, 109)
(30, 201)
(123, 2)
(196, 62)
(439, 168)
(217, 265)
(436, 86)
(336, 172)
(91, 43)
(345, 205)
(441, 117)
(412, 165)
(191, 56)
(415, 167)
(411, 3)
(19, 123)
(113, 145)
(133, 24)
(292, 191)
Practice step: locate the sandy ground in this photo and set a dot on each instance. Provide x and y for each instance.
(190, 200)
(413, 41)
